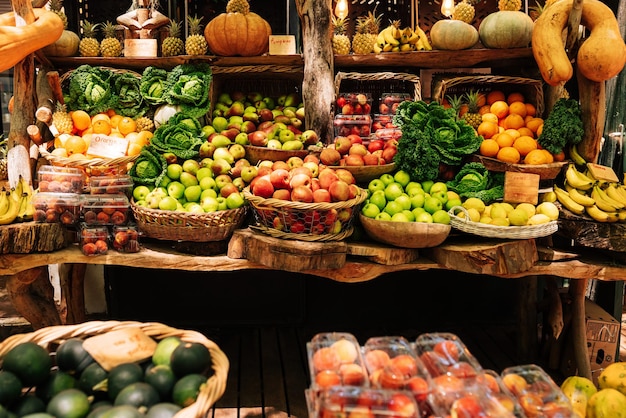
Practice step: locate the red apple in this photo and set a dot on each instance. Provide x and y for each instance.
(311, 157)
(282, 194)
(355, 139)
(321, 195)
(389, 153)
(357, 148)
(313, 166)
(354, 191)
(302, 194)
(266, 126)
(263, 170)
(326, 177)
(300, 170)
(375, 145)
(391, 143)
(404, 405)
(342, 144)
(228, 189)
(345, 175)
(355, 160)
(280, 178)
(263, 187)
(280, 164)
(347, 109)
(339, 191)
(300, 180)
(230, 133)
(370, 159)
(330, 156)
(258, 138)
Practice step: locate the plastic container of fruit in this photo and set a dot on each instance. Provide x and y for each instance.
(125, 238)
(469, 403)
(105, 209)
(536, 391)
(335, 360)
(387, 134)
(57, 207)
(495, 387)
(120, 184)
(57, 179)
(93, 239)
(360, 125)
(382, 122)
(389, 102)
(354, 103)
(363, 402)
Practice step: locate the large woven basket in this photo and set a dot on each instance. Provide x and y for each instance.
(314, 218)
(51, 337)
(496, 231)
(91, 166)
(185, 226)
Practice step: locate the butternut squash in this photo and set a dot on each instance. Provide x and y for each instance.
(17, 42)
(600, 57)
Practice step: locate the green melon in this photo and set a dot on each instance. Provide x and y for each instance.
(30, 362)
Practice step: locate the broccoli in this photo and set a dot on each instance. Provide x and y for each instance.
(562, 126)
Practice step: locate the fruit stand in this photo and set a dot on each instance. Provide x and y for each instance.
(301, 231)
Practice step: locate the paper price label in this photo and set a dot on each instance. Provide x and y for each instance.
(104, 146)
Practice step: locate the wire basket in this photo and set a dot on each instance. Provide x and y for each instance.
(185, 226)
(91, 166)
(316, 222)
(450, 84)
(51, 337)
(496, 231)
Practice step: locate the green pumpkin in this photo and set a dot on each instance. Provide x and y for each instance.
(65, 46)
(453, 35)
(506, 29)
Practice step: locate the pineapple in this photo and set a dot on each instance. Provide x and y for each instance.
(56, 6)
(455, 102)
(362, 42)
(110, 45)
(536, 10)
(464, 11)
(3, 158)
(341, 42)
(374, 25)
(196, 42)
(89, 45)
(238, 6)
(144, 123)
(472, 117)
(173, 45)
(513, 5)
(61, 120)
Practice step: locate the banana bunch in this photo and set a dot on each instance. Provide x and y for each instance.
(575, 156)
(394, 39)
(16, 205)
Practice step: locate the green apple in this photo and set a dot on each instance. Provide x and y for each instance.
(235, 200)
(285, 135)
(412, 185)
(221, 203)
(409, 214)
(168, 203)
(188, 179)
(176, 189)
(192, 193)
(438, 186)
(383, 216)
(191, 166)
(209, 204)
(207, 183)
(393, 190)
(242, 139)
(194, 207)
(392, 207)
(424, 217)
(441, 217)
(370, 210)
(404, 200)
(441, 195)
(387, 178)
(220, 123)
(399, 217)
(208, 193)
(432, 205)
(375, 184)
(417, 211)
(427, 184)
(174, 171)
(140, 192)
(452, 203)
(417, 200)
(415, 190)
(207, 130)
(402, 177)
(165, 180)
(453, 195)
(378, 198)
(204, 172)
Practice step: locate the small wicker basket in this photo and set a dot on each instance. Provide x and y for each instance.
(186, 226)
(91, 166)
(51, 337)
(496, 231)
(313, 222)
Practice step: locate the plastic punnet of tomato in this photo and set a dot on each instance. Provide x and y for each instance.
(361, 402)
(335, 359)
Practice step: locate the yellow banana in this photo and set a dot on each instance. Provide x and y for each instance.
(377, 48)
(603, 201)
(423, 38)
(414, 37)
(407, 47)
(387, 48)
(395, 48)
(405, 35)
(564, 198)
(621, 190)
(613, 192)
(23, 206)
(26, 187)
(17, 190)
(577, 179)
(579, 197)
(575, 156)
(389, 37)
(380, 40)
(621, 216)
(10, 215)
(29, 209)
(4, 202)
(597, 214)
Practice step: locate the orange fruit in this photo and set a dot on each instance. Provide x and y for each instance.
(482, 99)
(463, 109)
(101, 126)
(116, 134)
(489, 117)
(504, 140)
(535, 157)
(513, 132)
(533, 124)
(518, 108)
(489, 148)
(81, 119)
(500, 108)
(525, 144)
(549, 156)
(133, 149)
(515, 96)
(513, 121)
(495, 95)
(100, 116)
(539, 130)
(144, 137)
(115, 121)
(75, 145)
(127, 125)
(509, 155)
(487, 129)
(59, 140)
(110, 112)
(77, 156)
(484, 109)
(525, 131)
(530, 109)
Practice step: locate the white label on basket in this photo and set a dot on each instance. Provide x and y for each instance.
(282, 45)
(104, 146)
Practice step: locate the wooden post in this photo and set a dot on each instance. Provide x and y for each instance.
(592, 95)
(18, 157)
(32, 296)
(318, 91)
(577, 289)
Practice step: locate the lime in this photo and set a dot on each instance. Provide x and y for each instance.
(187, 388)
(30, 362)
(163, 350)
(10, 387)
(69, 403)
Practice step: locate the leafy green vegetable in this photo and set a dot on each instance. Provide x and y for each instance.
(154, 85)
(181, 135)
(90, 89)
(474, 180)
(188, 86)
(431, 135)
(562, 126)
(127, 99)
(149, 167)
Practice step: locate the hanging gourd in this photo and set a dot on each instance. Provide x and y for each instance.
(238, 31)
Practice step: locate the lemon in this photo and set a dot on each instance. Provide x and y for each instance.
(474, 203)
(538, 219)
(549, 209)
(529, 208)
(500, 222)
(518, 217)
(498, 211)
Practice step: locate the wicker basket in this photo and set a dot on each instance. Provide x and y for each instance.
(495, 231)
(450, 84)
(91, 166)
(51, 337)
(185, 226)
(314, 222)
(545, 171)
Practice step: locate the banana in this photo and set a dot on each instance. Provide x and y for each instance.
(597, 214)
(388, 35)
(4, 202)
(26, 187)
(23, 205)
(27, 212)
(19, 188)
(405, 35)
(10, 215)
(407, 47)
(414, 37)
(579, 197)
(387, 48)
(621, 190)
(621, 216)
(377, 49)
(612, 191)
(564, 198)
(575, 156)
(380, 40)
(603, 201)
(577, 179)
(423, 38)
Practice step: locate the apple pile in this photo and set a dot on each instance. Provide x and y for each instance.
(211, 184)
(394, 197)
(305, 180)
(263, 121)
(351, 151)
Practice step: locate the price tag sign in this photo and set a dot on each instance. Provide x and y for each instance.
(282, 45)
(104, 146)
(521, 187)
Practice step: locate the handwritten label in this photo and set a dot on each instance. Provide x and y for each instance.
(282, 45)
(104, 146)
(120, 346)
(140, 47)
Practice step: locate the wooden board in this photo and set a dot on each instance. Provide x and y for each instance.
(382, 254)
(31, 237)
(521, 187)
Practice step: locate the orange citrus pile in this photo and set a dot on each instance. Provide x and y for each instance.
(510, 128)
(109, 123)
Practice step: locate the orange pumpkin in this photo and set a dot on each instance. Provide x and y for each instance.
(238, 32)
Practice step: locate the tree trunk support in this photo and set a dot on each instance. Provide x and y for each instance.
(32, 295)
(577, 289)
